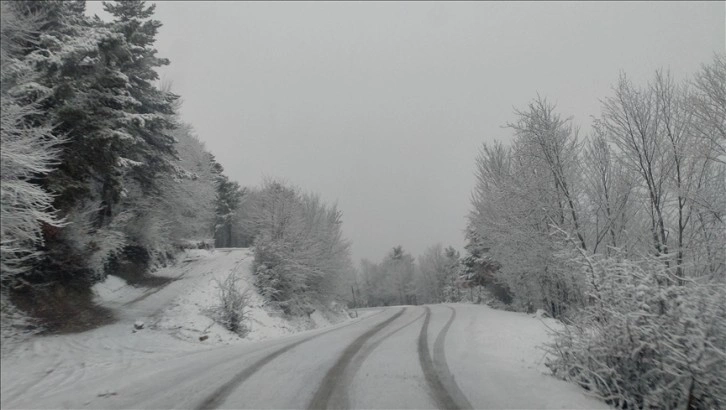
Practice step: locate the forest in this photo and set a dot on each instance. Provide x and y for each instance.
(100, 174)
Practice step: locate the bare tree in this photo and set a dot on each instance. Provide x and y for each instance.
(633, 120)
(608, 190)
(709, 102)
(553, 141)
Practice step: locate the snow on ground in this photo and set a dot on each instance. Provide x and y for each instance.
(186, 317)
(181, 308)
(508, 348)
(173, 320)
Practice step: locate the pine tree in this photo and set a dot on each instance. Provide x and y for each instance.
(95, 84)
(149, 119)
(229, 196)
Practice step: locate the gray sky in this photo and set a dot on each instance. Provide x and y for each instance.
(383, 106)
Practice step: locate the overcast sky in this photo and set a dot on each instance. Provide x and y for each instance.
(383, 106)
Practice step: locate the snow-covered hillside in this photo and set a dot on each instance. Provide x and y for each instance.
(180, 308)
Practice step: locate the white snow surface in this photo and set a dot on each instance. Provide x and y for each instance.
(508, 348)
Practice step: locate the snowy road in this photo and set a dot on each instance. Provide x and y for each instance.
(440, 356)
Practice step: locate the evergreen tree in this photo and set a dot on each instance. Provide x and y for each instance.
(95, 85)
(229, 196)
(149, 118)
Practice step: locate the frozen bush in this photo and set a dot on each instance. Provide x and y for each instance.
(645, 342)
(231, 312)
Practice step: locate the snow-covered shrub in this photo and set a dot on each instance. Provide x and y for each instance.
(231, 311)
(645, 342)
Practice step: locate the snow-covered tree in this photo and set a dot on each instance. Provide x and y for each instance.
(376, 287)
(399, 266)
(438, 277)
(550, 143)
(522, 194)
(300, 252)
(658, 132)
(608, 191)
(101, 96)
(29, 150)
(188, 201)
(431, 275)
(228, 198)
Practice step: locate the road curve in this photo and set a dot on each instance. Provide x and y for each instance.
(391, 348)
(393, 358)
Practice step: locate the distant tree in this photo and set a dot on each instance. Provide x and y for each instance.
(452, 289)
(228, 199)
(431, 275)
(400, 267)
(187, 202)
(376, 285)
(440, 275)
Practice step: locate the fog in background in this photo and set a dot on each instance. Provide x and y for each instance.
(383, 106)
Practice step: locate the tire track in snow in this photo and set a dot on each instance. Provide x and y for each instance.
(322, 395)
(217, 397)
(443, 398)
(442, 368)
(339, 397)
